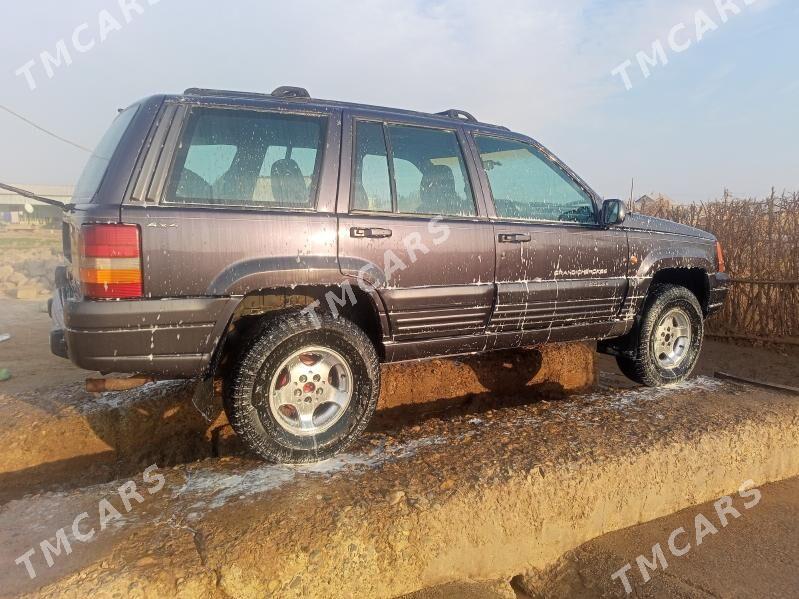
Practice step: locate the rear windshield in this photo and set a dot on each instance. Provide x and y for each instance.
(95, 168)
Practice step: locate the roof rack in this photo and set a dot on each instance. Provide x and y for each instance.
(288, 91)
(284, 91)
(455, 113)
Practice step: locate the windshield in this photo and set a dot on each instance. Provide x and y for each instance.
(95, 168)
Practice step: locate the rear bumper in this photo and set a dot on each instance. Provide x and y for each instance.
(163, 338)
(719, 286)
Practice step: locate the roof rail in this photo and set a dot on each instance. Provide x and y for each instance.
(455, 113)
(284, 91)
(288, 91)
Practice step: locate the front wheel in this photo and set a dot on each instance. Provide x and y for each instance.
(303, 389)
(669, 338)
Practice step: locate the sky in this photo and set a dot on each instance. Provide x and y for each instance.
(719, 108)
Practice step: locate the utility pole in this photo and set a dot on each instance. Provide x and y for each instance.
(632, 189)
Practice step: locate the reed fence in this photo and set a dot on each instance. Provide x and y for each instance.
(760, 239)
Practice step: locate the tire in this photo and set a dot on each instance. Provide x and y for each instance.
(271, 394)
(628, 369)
(660, 356)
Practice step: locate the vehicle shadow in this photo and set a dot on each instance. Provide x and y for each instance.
(468, 385)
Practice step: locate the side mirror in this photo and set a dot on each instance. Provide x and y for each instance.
(613, 212)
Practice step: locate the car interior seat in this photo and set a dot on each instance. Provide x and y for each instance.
(288, 183)
(438, 194)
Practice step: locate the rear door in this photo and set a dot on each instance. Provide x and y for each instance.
(411, 226)
(556, 266)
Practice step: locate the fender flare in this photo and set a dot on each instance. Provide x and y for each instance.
(262, 274)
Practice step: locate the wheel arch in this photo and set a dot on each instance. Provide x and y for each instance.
(693, 278)
(254, 308)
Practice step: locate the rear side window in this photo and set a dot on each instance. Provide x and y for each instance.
(428, 168)
(95, 168)
(248, 158)
(527, 185)
(430, 172)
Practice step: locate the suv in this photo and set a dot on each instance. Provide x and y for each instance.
(288, 246)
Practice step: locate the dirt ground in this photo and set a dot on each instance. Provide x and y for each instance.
(27, 354)
(773, 365)
(755, 555)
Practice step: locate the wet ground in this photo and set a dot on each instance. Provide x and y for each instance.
(494, 487)
(486, 494)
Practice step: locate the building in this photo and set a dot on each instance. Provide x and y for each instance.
(653, 202)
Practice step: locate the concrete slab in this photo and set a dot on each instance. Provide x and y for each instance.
(397, 513)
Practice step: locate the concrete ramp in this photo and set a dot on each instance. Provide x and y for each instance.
(68, 437)
(486, 492)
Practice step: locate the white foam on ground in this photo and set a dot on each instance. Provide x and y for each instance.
(111, 400)
(213, 489)
(630, 397)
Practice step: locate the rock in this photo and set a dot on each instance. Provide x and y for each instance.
(147, 560)
(5, 272)
(18, 279)
(29, 292)
(395, 497)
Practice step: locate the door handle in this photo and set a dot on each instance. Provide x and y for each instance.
(513, 237)
(373, 232)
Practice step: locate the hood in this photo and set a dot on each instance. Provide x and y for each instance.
(642, 222)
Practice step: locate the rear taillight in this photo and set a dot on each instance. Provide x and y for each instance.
(720, 258)
(110, 261)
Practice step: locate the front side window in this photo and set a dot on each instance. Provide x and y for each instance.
(526, 185)
(248, 158)
(427, 164)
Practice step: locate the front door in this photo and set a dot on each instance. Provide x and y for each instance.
(410, 227)
(556, 267)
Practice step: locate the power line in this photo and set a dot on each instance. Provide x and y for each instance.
(42, 129)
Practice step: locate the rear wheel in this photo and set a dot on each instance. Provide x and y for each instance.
(303, 389)
(669, 338)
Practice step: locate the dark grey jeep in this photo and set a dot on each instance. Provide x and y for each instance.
(288, 245)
